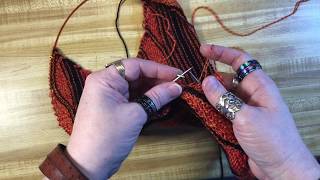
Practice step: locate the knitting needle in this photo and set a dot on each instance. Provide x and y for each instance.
(181, 75)
(194, 77)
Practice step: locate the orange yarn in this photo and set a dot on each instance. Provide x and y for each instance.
(163, 19)
(168, 33)
(220, 128)
(218, 19)
(227, 29)
(217, 74)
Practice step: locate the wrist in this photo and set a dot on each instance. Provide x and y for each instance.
(59, 165)
(87, 163)
(300, 165)
(305, 167)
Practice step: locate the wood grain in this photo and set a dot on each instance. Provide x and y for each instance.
(289, 53)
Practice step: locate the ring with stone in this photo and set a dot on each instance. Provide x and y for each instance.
(246, 68)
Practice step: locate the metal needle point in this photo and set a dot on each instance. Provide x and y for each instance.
(181, 75)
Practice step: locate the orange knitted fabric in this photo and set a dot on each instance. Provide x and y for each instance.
(66, 80)
(168, 39)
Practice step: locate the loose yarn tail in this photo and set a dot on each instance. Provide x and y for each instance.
(227, 29)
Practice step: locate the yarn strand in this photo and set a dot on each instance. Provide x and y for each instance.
(227, 29)
(220, 163)
(65, 22)
(121, 2)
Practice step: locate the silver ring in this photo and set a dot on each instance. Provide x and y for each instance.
(119, 67)
(147, 104)
(228, 105)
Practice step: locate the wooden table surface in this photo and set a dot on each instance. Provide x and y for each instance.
(288, 51)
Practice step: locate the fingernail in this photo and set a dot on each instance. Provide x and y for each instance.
(175, 89)
(179, 71)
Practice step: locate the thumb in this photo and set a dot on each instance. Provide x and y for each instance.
(213, 89)
(164, 93)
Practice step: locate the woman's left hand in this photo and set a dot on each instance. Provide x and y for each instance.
(107, 125)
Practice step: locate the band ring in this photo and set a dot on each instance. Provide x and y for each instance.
(119, 67)
(246, 68)
(228, 105)
(147, 104)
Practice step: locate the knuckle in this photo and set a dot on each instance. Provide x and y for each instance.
(156, 98)
(245, 117)
(240, 59)
(136, 111)
(214, 97)
(90, 78)
(215, 52)
(265, 80)
(243, 55)
(241, 121)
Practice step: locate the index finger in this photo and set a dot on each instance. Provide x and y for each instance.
(135, 67)
(255, 84)
(232, 57)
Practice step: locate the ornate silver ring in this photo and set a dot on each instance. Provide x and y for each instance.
(228, 105)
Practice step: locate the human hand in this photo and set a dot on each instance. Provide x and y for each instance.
(264, 126)
(107, 125)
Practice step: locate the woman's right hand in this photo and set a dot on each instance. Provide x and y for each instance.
(264, 126)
